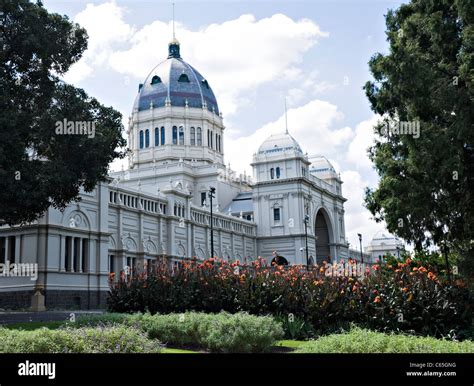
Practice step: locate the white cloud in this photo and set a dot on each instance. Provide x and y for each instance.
(237, 55)
(357, 217)
(106, 29)
(77, 72)
(309, 85)
(364, 138)
(311, 125)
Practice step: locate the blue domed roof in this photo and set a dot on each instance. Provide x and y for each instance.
(175, 81)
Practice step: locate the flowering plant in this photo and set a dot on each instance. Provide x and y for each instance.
(406, 296)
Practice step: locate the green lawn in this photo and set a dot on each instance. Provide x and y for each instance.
(294, 344)
(178, 351)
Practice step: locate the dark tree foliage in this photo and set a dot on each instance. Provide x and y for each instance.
(426, 187)
(40, 168)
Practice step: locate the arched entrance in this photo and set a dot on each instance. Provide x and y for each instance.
(323, 238)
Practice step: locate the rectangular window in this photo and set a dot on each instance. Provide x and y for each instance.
(85, 254)
(147, 138)
(3, 250)
(276, 214)
(199, 136)
(193, 136)
(203, 198)
(162, 135)
(11, 249)
(67, 254)
(76, 256)
(181, 135)
(111, 263)
(175, 135)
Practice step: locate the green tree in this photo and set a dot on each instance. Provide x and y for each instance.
(426, 187)
(40, 168)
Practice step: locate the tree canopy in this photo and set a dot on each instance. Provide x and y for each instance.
(42, 163)
(426, 187)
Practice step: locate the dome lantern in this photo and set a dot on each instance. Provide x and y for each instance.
(173, 49)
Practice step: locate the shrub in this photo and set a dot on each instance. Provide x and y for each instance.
(402, 297)
(296, 328)
(221, 332)
(117, 339)
(93, 320)
(359, 340)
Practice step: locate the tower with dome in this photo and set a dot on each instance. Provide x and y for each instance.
(159, 207)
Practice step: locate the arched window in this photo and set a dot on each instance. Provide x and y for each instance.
(157, 136)
(181, 135)
(193, 136)
(278, 172)
(141, 139)
(175, 135)
(183, 78)
(272, 173)
(205, 83)
(162, 135)
(147, 138)
(199, 136)
(155, 80)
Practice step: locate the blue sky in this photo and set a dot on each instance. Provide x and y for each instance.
(254, 54)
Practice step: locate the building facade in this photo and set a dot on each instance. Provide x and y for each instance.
(383, 244)
(160, 208)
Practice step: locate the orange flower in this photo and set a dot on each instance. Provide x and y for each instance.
(422, 269)
(354, 288)
(377, 299)
(431, 276)
(415, 269)
(405, 289)
(408, 261)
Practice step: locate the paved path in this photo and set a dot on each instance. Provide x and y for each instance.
(10, 317)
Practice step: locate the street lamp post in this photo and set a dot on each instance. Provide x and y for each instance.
(212, 190)
(360, 241)
(306, 219)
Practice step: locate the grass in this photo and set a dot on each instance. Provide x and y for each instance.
(359, 340)
(288, 343)
(170, 350)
